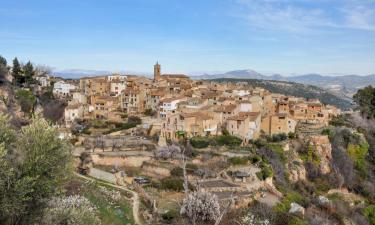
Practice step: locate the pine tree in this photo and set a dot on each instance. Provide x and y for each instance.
(28, 70)
(3, 68)
(3, 61)
(17, 72)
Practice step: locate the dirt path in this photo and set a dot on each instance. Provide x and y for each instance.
(135, 197)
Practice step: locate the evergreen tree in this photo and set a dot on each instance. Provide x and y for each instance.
(3, 61)
(365, 99)
(17, 72)
(28, 70)
(3, 68)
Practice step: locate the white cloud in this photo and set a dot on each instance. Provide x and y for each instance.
(307, 15)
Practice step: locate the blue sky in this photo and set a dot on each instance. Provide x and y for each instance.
(270, 36)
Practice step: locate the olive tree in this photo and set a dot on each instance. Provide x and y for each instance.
(34, 163)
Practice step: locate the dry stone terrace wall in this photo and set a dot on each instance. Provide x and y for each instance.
(120, 160)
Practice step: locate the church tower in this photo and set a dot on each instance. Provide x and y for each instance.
(157, 71)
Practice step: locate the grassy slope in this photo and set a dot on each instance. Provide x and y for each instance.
(110, 213)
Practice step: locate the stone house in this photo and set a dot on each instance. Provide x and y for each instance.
(245, 125)
(278, 123)
(73, 112)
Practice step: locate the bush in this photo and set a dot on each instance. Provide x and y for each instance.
(290, 196)
(172, 183)
(26, 100)
(134, 120)
(260, 143)
(369, 213)
(177, 172)
(199, 142)
(358, 153)
(238, 160)
(149, 112)
(277, 137)
(169, 215)
(266, 171)
(292, 135)
(327, 132)
(228, 140)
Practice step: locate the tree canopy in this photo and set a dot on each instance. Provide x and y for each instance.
(34, 163)
(365, 99)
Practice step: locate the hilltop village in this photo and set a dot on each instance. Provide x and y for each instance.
(184, 151)
(178, 106)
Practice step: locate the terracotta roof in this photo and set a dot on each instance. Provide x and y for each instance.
(174, 76)
(199, 115)
(225, 108)
(73, 106)
(244, 115)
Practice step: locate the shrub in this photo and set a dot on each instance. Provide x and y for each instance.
(199, 142)
(134, 120)
(177, 172)
(26, 100)
(169, 215)
(290, 196)
(238, 160)
(369, 213)
(172, 183)
(327, 132)
(228, 140)
(255, 159)
(266, 171)
(149, 112)
(260, 143)
(291, 135)
(358, 153)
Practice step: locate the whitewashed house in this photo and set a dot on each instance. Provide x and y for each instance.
(62, 89)
(43, 80)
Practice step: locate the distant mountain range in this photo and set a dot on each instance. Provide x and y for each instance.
(295, 89)
(345, 85)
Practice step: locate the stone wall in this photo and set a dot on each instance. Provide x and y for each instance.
(129, 161)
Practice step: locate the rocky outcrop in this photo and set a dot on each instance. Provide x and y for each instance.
(323, 149)
(297, 209)
(297, 171)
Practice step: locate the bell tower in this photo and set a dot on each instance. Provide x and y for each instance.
(157, 71)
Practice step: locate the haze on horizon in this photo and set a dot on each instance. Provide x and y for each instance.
(270, 36)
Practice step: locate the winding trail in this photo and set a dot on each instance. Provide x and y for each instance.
(135, 197)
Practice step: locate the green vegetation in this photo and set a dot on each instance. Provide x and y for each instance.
(133, 121)
(266, 171)
(340, 121)
(289, 197)
(365, 99)
(149, 112)
(228, 140)
(172, 183)
(170, 215)
(358, 153)
(278, 137)
(204, 142)
(27, 182)
(238, 160)
(199, 142)
(369, 213)
(26, 100)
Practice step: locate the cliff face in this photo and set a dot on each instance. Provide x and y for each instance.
(323, 150)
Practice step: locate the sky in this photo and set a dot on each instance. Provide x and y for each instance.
(289, 37)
